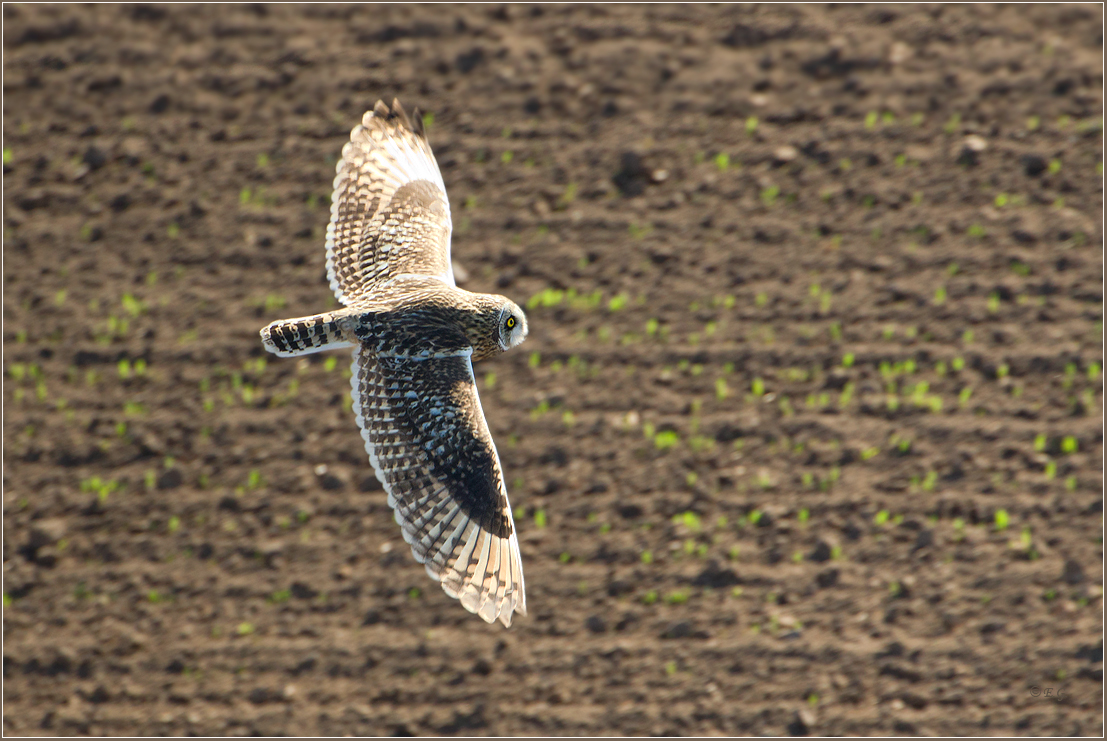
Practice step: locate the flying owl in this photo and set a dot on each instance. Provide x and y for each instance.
(415, 336)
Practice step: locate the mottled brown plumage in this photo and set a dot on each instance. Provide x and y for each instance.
(415, 336)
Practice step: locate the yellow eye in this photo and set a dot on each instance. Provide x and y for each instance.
(510, 323)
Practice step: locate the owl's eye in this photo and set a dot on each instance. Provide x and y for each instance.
(510, 323)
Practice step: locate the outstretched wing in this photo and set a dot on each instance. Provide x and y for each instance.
(428, 440)
(389, 211)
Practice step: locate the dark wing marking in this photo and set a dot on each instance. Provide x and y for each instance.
(428, 440)
(389, 211)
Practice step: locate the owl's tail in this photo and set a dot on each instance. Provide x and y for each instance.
(306, 335)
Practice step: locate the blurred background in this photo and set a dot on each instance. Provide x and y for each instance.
(806, 437)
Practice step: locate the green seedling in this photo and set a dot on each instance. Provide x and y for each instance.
(701, 443)
(786, 408)
(132, 305)
(665, 439)
(679, 597)
(690, 520)
(102, 488)
(567, 197)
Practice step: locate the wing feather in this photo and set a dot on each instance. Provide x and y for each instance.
(433, 453)
(389, 211)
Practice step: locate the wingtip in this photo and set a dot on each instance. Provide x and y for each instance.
(399, 112)
(396, 113)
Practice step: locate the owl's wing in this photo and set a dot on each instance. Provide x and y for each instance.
(428, 440)
(389, 211)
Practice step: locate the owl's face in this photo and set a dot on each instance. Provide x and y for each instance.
(511, 326)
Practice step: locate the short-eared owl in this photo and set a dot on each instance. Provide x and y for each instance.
(415, 336)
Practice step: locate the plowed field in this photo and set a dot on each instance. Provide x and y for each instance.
(806, 437)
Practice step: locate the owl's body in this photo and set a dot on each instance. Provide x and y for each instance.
(415, 336)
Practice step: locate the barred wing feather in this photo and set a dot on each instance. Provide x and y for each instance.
(389, 211)
(427, 438)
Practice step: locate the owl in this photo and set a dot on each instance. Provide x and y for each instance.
(415, 336)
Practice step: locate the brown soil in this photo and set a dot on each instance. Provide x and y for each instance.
(840, 184)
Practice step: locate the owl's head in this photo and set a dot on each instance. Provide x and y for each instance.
(511, 325)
